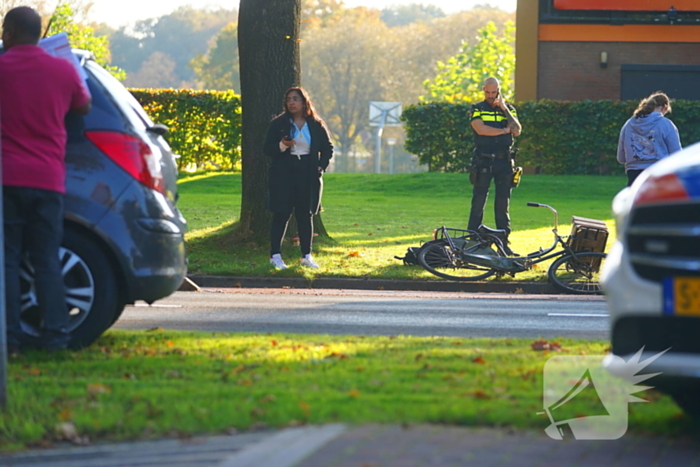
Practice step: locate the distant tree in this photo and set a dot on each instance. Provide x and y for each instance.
(158, 71)
(401, 15)
(344, 67)
(317, 12)
(182, 34)
(81, 36)
(460, 78)
(81, 8)
(268, 46)
(219, 68)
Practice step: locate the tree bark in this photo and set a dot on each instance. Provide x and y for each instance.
(268, 48)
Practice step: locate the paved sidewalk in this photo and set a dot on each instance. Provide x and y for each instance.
(339, 445)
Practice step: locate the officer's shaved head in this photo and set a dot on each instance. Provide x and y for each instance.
(492, 89)
(491, 81)
(22, 25)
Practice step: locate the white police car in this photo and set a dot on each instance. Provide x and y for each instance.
(651, 276)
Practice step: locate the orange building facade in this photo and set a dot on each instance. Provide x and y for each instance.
(607, 49)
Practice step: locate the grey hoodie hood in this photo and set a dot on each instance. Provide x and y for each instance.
(644, 140)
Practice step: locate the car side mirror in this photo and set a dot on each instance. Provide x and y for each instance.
(159, 129)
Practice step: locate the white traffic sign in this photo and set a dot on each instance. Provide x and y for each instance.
(389, 111)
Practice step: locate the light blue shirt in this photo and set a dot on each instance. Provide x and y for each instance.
(304, 130)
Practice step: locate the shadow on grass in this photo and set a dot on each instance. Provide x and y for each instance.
(136, 384)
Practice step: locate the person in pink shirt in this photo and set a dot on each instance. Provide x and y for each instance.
(37, 90)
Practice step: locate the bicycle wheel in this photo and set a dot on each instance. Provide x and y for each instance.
(443, 261)
(578, 273)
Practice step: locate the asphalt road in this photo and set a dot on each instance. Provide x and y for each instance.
(365, 312)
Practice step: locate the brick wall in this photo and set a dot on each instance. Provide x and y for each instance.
(571, 70)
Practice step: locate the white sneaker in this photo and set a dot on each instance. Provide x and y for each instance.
(276, 261)
(309, 262)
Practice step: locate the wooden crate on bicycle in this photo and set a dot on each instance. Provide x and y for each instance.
(588, 235)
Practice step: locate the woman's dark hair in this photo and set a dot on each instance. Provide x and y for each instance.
(649, 104)
(309, 109)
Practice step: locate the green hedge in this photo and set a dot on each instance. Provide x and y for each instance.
(205, 126)
(559, 137)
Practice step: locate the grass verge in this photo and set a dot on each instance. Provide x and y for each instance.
(151, 384)
(372, 218)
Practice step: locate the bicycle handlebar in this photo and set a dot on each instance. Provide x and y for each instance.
(554, 211)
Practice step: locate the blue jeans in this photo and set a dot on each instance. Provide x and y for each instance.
(33, 221)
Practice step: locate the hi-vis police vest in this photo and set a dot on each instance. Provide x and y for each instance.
(494, 117)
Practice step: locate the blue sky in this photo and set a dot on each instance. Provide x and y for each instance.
(121, 12)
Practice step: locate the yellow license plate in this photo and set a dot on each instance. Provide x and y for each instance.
(682, 296)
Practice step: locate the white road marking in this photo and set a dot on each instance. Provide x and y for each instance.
(580, 315)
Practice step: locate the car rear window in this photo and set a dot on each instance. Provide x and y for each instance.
(123, 98)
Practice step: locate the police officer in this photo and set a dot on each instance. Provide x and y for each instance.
(495, 123)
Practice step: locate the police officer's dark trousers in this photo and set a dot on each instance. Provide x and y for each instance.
(502, 174)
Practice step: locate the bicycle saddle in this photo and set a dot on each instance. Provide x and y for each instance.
(488, 230)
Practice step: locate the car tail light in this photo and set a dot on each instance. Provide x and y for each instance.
(664, 188)
(132, 155)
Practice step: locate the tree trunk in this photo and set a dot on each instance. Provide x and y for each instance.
(268, 47)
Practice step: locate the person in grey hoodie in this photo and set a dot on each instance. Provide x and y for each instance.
(648, 136)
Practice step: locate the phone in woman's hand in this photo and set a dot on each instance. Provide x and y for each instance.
(287, 138)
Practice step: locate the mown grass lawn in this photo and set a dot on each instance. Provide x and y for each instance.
(372, 218)
(150, 384)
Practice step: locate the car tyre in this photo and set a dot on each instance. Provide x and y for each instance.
(92, 292)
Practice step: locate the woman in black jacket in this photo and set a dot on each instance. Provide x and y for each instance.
(299, 145)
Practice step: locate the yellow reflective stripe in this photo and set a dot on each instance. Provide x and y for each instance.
(493, 118)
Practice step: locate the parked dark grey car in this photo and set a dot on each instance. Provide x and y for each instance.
(123, 232)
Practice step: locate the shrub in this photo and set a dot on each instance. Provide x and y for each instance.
(559, 137)
(205, 126)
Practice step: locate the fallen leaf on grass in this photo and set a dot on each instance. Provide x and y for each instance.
(305, 407)
(354, 393)
(479, 360)
(170, 343)
(355, 254)
(479, 394)
(543, 345)
(98, 388)
(67, 431)
(340, 356)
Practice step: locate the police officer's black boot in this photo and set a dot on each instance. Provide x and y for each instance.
(507, 249)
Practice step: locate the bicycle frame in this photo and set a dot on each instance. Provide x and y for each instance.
(501, 262)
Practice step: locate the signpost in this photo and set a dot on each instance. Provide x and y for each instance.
(383, 114)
